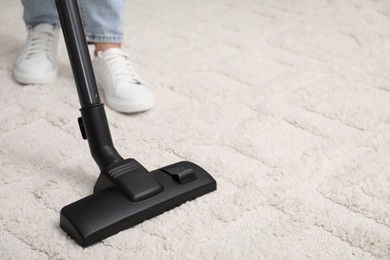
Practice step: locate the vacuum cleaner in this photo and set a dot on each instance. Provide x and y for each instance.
(125, 193)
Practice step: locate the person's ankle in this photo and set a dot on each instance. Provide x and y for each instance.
(103, 46)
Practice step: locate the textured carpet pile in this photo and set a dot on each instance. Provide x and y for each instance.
(285, 103)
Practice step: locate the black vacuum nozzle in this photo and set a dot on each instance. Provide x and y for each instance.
(109, 211)
(125, 193)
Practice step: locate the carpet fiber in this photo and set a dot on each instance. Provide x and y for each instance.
(285, 103)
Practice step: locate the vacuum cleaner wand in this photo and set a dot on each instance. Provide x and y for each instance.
(125, 194)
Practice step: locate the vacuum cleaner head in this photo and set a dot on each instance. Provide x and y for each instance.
(113, 208)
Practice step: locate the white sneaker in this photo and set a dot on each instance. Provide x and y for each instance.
(37, 64)
(122, 87)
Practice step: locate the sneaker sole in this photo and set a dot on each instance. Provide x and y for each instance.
(129, 108)
(35, 79)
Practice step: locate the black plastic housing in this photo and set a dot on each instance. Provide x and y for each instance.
(108, 211)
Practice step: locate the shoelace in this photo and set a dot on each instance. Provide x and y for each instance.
(40, 42)
(121, 67)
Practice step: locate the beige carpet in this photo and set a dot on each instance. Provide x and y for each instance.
(285, 103)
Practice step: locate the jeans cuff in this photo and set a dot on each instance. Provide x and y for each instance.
(31, 26)
(92, 38)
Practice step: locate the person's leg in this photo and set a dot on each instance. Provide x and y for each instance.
(40, 12)
(103, 24)
(37, 63)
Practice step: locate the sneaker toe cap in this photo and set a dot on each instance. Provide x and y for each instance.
(36, 66)
(133, 93)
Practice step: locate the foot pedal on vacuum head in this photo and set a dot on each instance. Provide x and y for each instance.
(109, 211)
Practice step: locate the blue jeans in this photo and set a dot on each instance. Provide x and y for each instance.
(102, 19)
